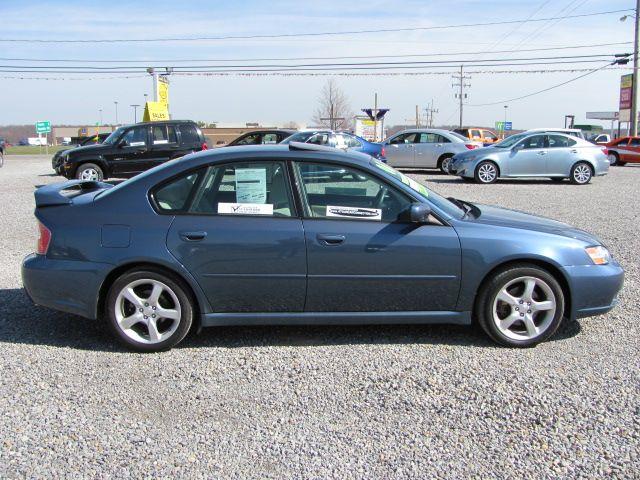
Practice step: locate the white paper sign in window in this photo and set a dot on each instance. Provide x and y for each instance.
(246, 208)
(251, 185)
(358, 213)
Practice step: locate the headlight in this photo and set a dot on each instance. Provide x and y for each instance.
(599, 255)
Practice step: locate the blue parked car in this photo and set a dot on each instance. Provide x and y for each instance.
(342, 140)
(268, 235)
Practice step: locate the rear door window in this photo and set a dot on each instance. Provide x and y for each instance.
(259, 188)
(164, 134)
(559, 141)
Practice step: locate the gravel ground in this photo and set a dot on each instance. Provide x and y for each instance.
(326, 402)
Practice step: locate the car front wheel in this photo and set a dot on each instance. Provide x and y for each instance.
(613, 158)
(89, 171)
(149, 311)
(521, 306)
(486, 172)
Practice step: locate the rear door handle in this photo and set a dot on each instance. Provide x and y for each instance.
(574, 151)
(543, 152)
(193, 236)
(326, 239)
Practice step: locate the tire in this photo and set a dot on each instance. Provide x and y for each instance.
(135, 316)
(443, 164)
(581, 173)
(614, 159)
(507, 312)
(89, 171)
(486, 172)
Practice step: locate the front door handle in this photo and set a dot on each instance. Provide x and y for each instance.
(193, 236)
(326, 239)
(542, 152)
(574, 151)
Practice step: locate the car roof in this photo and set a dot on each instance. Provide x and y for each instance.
(159, 122)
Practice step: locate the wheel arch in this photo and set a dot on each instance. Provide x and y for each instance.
(121, 269)
(550, 267)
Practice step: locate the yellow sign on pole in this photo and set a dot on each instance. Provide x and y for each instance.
(163, 90)
(155, 111)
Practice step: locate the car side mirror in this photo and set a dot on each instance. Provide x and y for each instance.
(417, 213)
(517, 147)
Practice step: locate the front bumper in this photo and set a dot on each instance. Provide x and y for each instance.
(65, 285)
(594, 288)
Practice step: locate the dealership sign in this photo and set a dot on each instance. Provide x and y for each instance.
(626, 96)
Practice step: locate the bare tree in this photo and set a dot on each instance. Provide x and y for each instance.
(333, 110)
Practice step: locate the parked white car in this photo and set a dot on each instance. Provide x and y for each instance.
(574, 132)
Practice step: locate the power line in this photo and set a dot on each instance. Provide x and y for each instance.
(543, 90)
(147, 62)
(310, 34)
(324, 69)
(329, 66)
(316, 74)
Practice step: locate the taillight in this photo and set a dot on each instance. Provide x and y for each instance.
(470, 146)
(383, 152)
(605, 150)
(43, 240)
(204, 146)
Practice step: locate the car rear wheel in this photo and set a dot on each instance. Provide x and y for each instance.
(521, 306)
(89, 171)
(581, 173)
(149, 311)
(486, 172)
(444, 164)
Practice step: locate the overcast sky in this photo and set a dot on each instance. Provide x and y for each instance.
(275, 100)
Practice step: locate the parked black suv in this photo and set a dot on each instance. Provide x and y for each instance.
(56, 160)
(132, 149)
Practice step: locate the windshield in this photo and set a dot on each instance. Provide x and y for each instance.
(438, 200)
(299, 137)
(113, 138)
(510, 141)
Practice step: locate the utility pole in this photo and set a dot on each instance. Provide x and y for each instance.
(635, 90)
(135, 111)
(460, 78)
(116, 104)
(430, 111)
(100, 110)
(417, 117)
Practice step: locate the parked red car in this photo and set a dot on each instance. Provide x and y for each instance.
(624, 150)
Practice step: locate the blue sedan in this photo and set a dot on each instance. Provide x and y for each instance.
(342, 140)
(270, 235)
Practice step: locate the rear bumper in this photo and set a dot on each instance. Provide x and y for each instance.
(68, 286)
(594, 288)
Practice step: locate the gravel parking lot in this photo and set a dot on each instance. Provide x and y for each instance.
(326, 402)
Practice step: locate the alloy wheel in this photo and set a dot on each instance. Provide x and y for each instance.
(582, 173)
(445, 164)
(89, 174)
(613, 159)
(147, 311)
(487, 173)
(524, 308)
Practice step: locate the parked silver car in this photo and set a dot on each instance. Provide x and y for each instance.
(425, 148)
(554, 155)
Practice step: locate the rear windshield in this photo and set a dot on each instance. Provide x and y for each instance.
(190, 134)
